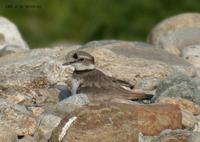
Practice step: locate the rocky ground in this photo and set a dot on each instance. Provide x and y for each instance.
(37, 103)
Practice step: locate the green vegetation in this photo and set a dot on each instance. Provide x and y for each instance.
(86, 20)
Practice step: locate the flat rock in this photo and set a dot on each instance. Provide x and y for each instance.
(185, 20)
(116, 122)
(137, 63)
(178, 85)
(10, 38)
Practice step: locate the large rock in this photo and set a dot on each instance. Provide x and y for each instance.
(175, 41)
(176, 32)
(116, 122)
(137, 63)
(10, 38)
(172, 23)
(178, 85)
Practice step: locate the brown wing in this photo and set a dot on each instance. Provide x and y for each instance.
(98, 84)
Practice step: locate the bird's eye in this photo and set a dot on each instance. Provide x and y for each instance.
(75, 56)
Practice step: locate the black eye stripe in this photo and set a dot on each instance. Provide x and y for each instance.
(75, 56)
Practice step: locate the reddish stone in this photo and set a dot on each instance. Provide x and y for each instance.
(118, 122)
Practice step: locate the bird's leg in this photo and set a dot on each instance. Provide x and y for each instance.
(75, 85)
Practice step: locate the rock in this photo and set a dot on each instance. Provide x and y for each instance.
(192, 55)
(177, 40)
(197, 127)
(15, 99)
(37, 111)
(173, 136)
(182, 103)
(17, 118)
(47, 123)
(176, 32)
(65, 92)
(27, 139)
(10, 38)
(145, 138)
(188, 109)
(116, 122)
(34, 75)
(178, 85)
(71, 103)
(35, 67)
(195, 137)
(188, 119)
(7, 134)
(135, 62)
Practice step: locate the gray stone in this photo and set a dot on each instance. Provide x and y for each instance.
(192, 55)
(176, 40)
(10, 37)
(72, 103)
(178, 85)
(184, 20)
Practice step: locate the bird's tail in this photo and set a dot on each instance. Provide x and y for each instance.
(137, 96)
(141, 96)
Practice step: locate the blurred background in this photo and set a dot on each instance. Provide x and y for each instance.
(47, 22)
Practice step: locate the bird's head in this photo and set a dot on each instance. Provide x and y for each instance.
(80, 60)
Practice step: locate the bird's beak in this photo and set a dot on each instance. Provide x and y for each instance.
(69, 63)
(65, 64)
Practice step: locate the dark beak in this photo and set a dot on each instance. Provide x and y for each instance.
(71, 62)
(67, 63)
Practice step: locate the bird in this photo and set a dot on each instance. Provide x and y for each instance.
(97, 85)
